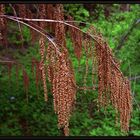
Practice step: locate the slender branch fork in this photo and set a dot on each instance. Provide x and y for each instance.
(50, 39)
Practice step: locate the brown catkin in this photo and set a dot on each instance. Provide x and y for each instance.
(42, 45)
(50, 58)
(42, 14)
(76, 38)
(22, 10)
(111, 83)
(3, 27)
(63, 92)
(94, 66)
(2, 12)
(50, 15)
(87, 45)
(60, 28)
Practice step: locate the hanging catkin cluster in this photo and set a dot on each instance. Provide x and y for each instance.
(112, 85)
(63, 89)
(61, 76)
(22, 10)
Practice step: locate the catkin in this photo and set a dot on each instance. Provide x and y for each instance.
(76, 38)
(3, 27)
(42, 65)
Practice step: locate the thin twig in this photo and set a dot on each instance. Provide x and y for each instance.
(6, 61)
(134, 78)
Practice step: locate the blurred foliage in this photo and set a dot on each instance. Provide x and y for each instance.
(77, 11)
(37, 117)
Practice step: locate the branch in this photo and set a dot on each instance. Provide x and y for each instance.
(134, 78)
(48, 37)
